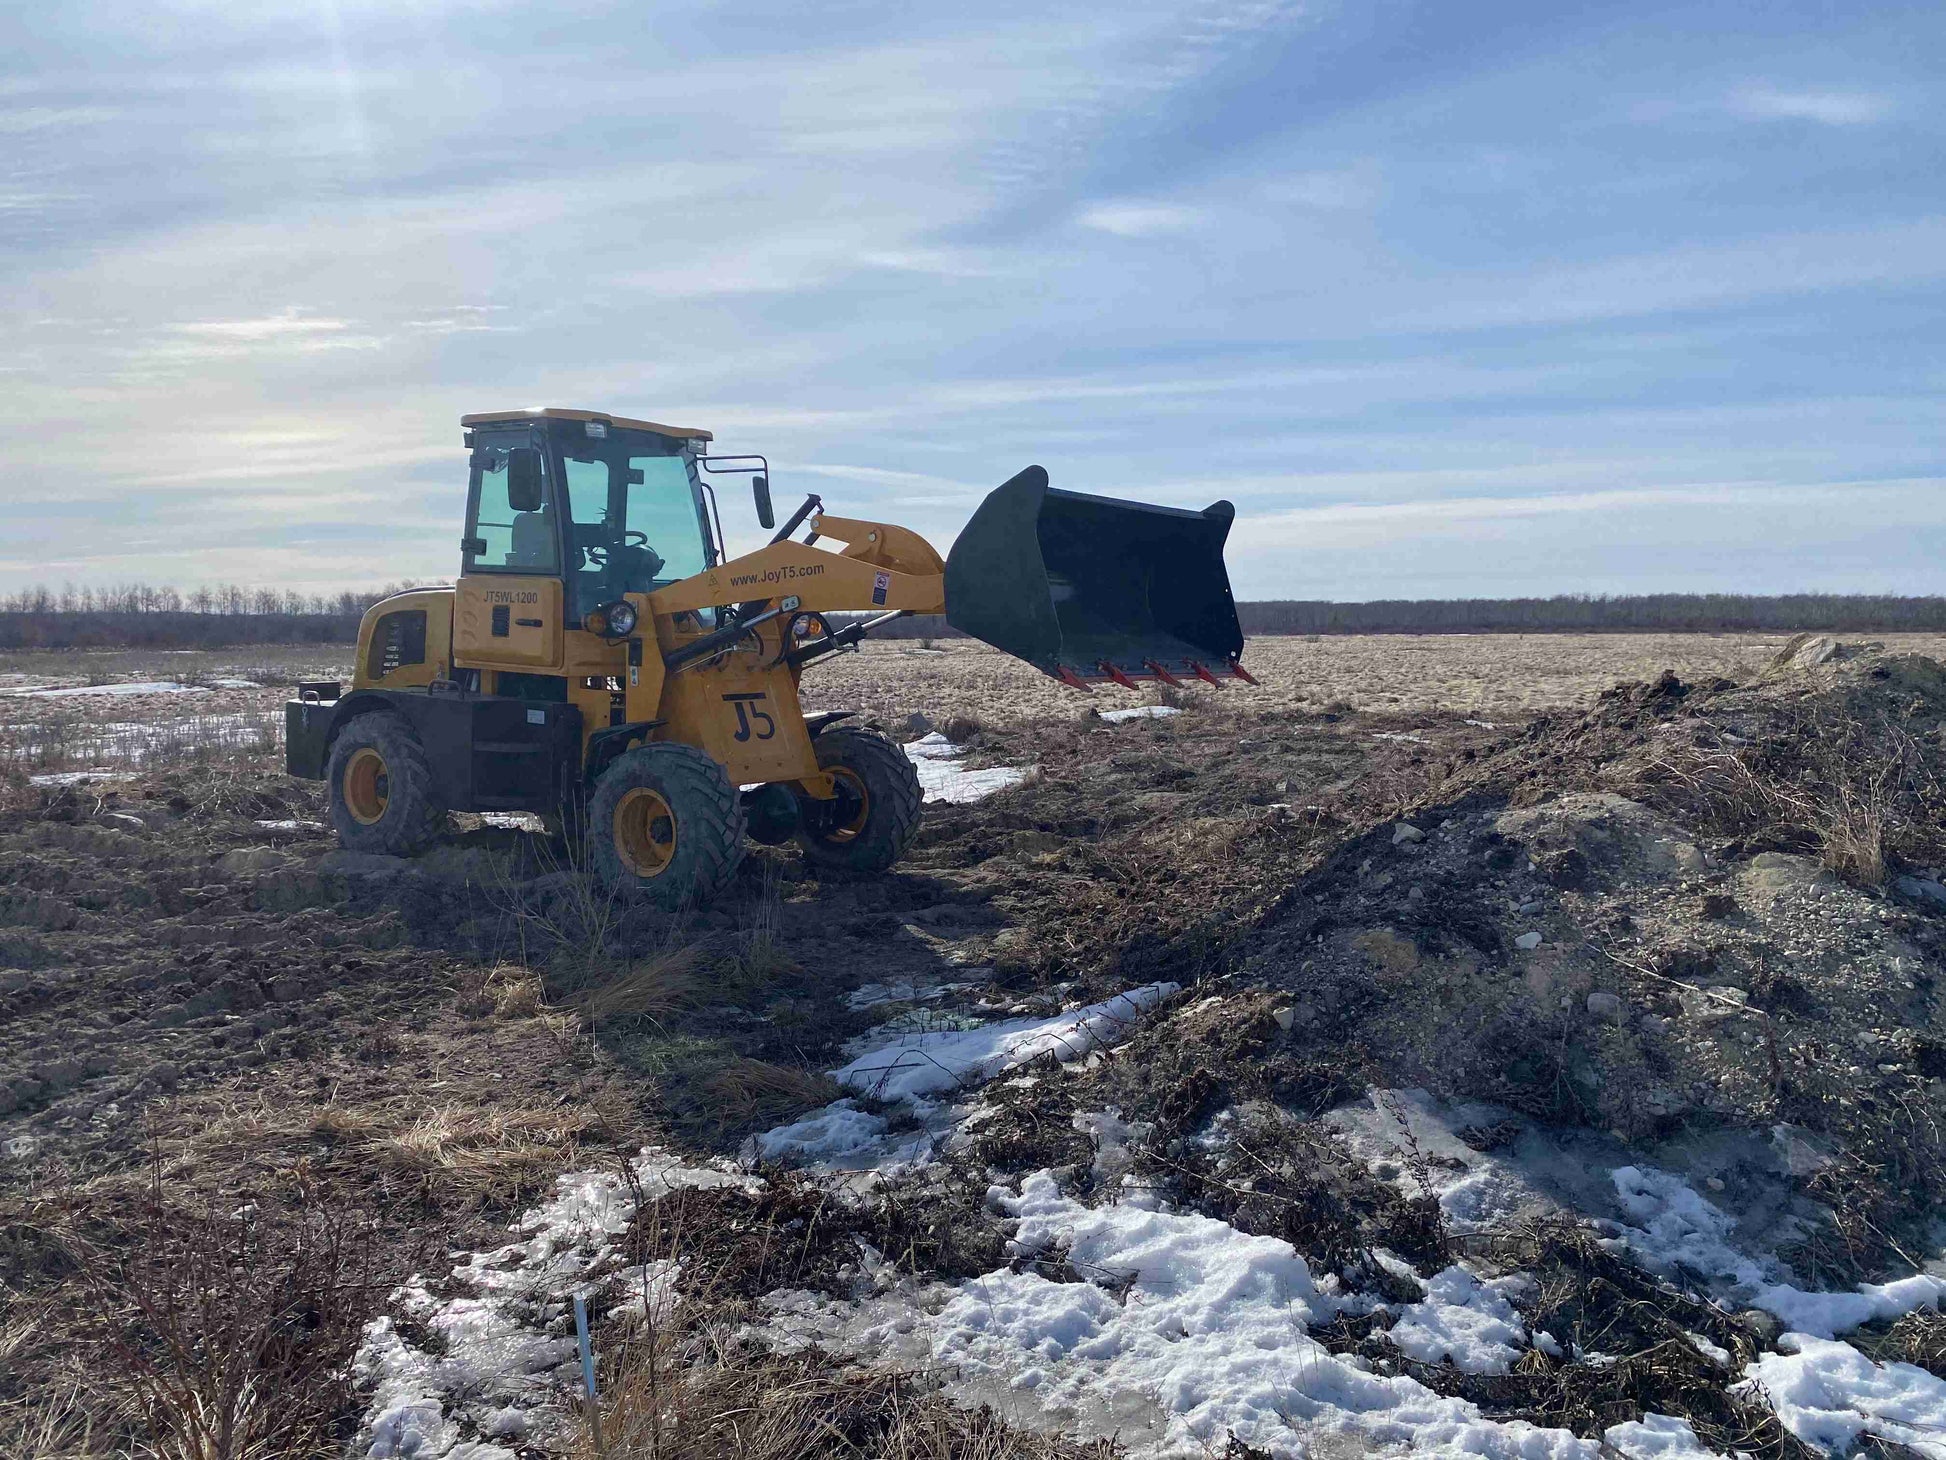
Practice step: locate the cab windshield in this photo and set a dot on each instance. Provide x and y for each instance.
(634, 518)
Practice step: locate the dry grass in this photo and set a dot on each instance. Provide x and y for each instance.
(744, 1090)
(690, 1382)
(479, 1157)
(1858, 788)
(735, 1403)
(1484, 675)
(651, 988)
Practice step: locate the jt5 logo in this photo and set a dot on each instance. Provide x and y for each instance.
(748, 716)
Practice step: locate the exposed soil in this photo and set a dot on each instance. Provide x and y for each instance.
(1698, 921)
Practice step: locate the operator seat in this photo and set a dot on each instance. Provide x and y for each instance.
(532, 544)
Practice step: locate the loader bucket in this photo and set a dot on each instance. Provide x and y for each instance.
(1091, 588)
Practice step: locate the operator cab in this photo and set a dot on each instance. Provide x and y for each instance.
(609, 505)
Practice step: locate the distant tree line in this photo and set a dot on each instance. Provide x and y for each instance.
(143, 616)
(1591, 614)
(139, 615)
(1789, 613)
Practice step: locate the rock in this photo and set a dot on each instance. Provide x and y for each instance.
(249, 861)
(1285, 1018)
(1773, 874)
(918, 724)
(1526, 942)
(1406, 832)
(286, 988)
(163, 1075)
(123, 818)
(1528, 909)
(7, 1100)
(1920, 889)
(1808, 651)
(170, 1015)
(1604, 1005)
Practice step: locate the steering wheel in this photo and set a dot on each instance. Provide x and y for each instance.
(597, 553)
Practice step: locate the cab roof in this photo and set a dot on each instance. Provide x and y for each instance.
(558, 413)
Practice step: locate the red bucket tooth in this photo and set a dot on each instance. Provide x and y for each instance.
(1243, 674)
(1074, 681)
(1160, 673)
(1196, 668)
(1114, 672)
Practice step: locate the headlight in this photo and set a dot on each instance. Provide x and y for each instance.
(621, 618)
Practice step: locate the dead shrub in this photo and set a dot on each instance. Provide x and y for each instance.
(233, 1340)
(651, 988)
(762, 958)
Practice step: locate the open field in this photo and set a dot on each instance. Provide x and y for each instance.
(233, 700)
(1432, 1050)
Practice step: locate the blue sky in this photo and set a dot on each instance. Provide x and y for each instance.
(1449, 299)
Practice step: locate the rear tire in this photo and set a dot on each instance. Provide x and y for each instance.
(665, 825)
(382, 796)
(878, 807)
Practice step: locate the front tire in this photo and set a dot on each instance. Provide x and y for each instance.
(866, 829)
(665, 825)
(382, 796)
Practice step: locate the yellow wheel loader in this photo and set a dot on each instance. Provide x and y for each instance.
(599, 660)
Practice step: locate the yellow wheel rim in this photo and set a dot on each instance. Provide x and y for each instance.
(851, 781)
(367, 786)
(645, 832)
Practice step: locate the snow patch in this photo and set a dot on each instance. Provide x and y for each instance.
(1828, 1394)
(502, 1363)
(1211, 1323)
(75, 778)
(132, 687)
(1677, 1227)
(940, 780)
(1464, 1319)
(1140, 712)
(924, 1064)
(839, 1129)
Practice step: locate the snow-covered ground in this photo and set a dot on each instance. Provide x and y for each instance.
(1140, 712)
(1181, 1330)
(125, 688)
(941, 780)
(502, 1354)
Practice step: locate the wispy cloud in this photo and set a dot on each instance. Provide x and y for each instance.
(1832, 108)
(1465, 310)
(1130, 218)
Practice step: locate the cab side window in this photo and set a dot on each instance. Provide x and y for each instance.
(512, 527)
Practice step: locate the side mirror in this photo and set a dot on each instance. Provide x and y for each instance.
(524, 479)
(760, 489)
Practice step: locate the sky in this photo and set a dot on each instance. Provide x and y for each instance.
(1450, 300)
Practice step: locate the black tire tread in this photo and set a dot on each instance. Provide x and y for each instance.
(897, 802)
(421, 818)
(709, 826)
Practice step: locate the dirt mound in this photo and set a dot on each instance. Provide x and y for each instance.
(1688, 909)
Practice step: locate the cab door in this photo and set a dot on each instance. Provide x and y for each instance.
(508, 605)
